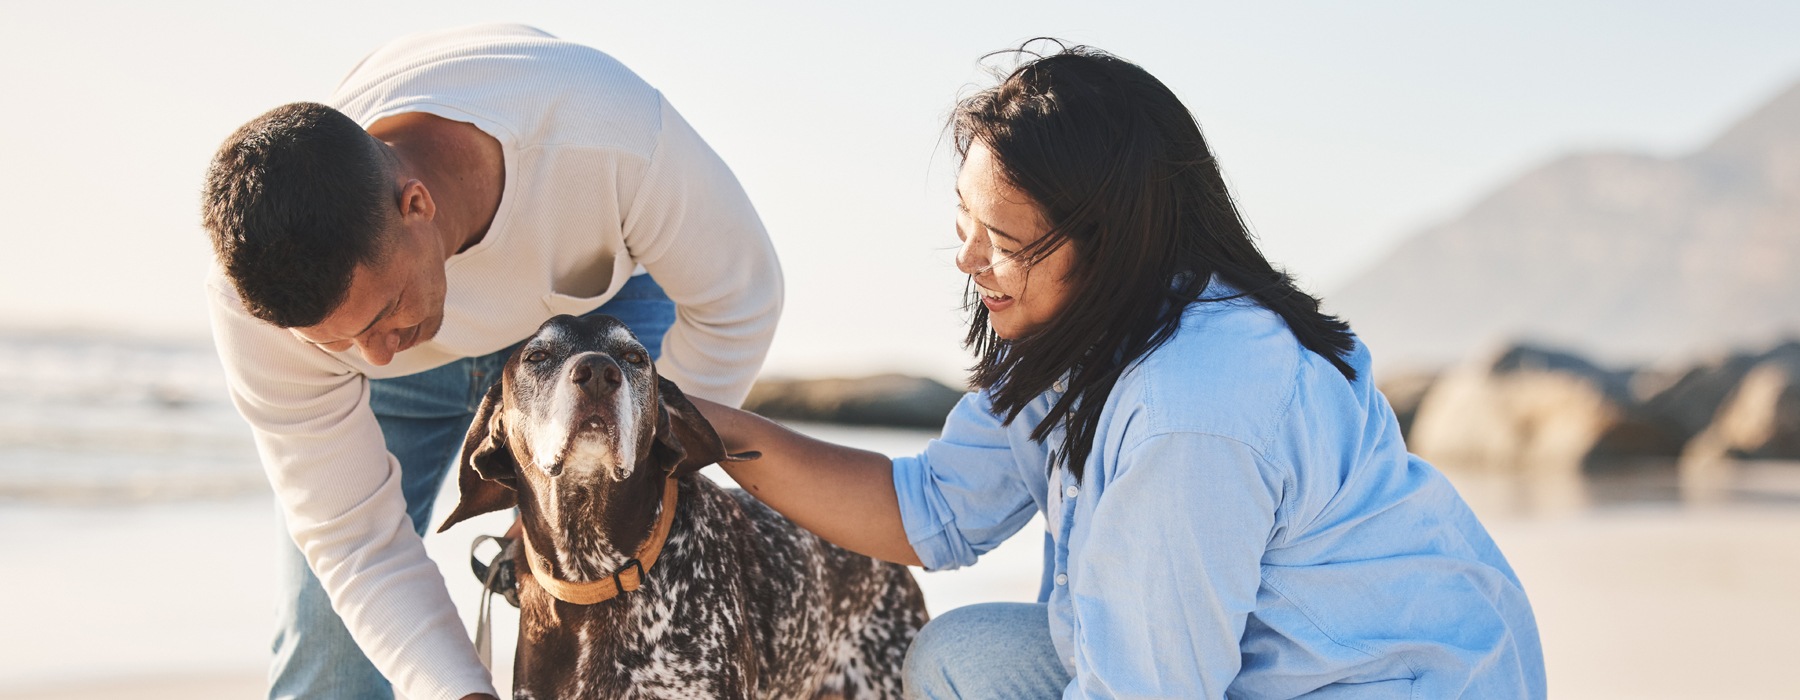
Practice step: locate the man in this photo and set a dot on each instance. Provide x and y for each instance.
(379, 258)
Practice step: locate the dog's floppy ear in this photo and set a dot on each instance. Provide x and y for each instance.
(487, 473)
(685, 442)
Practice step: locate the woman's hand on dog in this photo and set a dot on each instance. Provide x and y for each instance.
(842, 494)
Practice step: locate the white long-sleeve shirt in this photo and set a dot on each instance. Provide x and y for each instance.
(602, 176)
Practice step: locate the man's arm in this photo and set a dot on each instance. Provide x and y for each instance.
(340, 493)
(693, 228)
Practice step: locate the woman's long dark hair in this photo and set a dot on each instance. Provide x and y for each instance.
(1117, 166)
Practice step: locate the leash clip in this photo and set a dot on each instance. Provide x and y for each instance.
(499, 576)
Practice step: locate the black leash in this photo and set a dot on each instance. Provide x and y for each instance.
(498, 576)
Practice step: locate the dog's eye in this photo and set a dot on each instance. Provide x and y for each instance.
(634, 357)
(538, 356)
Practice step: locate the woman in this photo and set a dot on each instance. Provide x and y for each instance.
(1231, 510)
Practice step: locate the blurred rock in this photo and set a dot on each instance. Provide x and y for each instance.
(1522, 410)
(888, 399)
(1761, 417)
(1404, 392)
(1661, 426)
(1689, 404)
(1529, 410)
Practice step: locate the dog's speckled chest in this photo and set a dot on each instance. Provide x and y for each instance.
(741, 604)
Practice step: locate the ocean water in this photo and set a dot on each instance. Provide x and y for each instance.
(93, 420)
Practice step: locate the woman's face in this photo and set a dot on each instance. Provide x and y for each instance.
(995, 221)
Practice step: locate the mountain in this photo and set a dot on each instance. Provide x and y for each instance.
(1629, 258)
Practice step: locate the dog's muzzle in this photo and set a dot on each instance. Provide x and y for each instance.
(597, 375)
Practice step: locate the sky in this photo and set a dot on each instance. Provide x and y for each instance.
(1342, 127)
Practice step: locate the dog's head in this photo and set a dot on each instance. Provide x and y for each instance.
(579, 403)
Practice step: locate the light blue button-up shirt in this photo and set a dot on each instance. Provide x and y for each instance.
(1250, 525)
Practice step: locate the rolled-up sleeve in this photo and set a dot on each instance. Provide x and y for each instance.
(969, 490)
(1182, 525)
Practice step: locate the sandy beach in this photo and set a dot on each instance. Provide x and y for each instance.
(172, 599)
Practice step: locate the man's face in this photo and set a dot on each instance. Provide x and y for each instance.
(392, 305)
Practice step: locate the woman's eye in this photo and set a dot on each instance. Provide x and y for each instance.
(634, 357)
(537, 356)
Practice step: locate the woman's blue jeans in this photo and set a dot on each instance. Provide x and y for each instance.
(423, 418)
(992, 651)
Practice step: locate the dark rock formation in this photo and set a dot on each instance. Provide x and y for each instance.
(1532, 410)
(889, 400)
(1523, 409)
(1404, 392)
(1660, 426)
(1761, 417)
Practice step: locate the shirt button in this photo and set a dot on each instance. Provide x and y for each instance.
(1062, 579)
(1071, 492)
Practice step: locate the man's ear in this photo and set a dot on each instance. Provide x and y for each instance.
(488, 475)
(685, 442)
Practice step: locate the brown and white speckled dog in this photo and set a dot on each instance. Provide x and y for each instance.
(582, 435)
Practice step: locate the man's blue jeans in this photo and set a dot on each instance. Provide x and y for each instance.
(423, 417)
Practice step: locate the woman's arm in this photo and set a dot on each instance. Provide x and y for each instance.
(842, 494)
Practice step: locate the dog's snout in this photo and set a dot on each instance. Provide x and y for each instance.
(596, 373)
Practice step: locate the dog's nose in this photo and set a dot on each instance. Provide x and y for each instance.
(596, 374)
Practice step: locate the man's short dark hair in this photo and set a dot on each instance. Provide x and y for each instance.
(294, 201)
